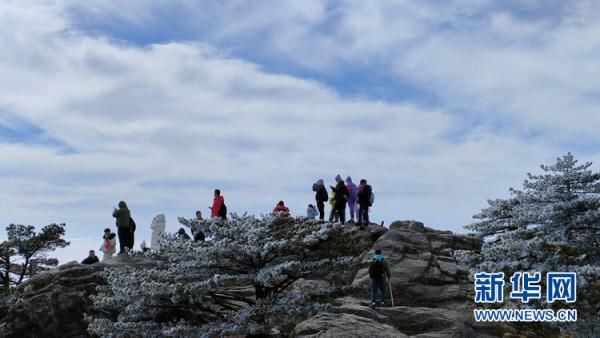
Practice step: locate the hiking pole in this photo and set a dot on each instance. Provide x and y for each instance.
(391, 294)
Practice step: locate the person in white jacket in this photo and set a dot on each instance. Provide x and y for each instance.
(109, 246)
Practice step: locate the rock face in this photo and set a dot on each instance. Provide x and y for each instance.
(53, 303)
(432, 295)
(354, 318)
(423, 269)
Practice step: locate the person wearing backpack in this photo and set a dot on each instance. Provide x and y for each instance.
(352, 197)
(321, 197)
(123, 215)
(378, 271)
(365, 197)
(218, 208)
(131, 237)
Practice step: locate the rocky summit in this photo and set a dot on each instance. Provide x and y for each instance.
(432, 295)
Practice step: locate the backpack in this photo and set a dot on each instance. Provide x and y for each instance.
(223, 211)
(371, 198)
(376, 269)
(131, 224)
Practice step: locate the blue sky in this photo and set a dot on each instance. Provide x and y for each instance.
(440, 105)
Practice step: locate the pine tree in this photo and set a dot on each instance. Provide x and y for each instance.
(552, 224)
(23, 245)
(240, 281)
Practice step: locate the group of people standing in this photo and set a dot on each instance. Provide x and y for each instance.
(341, 195)
(125, 232)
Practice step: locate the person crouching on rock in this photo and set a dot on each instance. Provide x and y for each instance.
(312, 212)
(378, 271)
(91, 259)
(280, 207)
(109, 246)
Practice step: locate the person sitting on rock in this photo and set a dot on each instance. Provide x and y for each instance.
(182, 234)
(312, 212)
(91, 259)
(280, 207)
(144, 247)
(378, 271)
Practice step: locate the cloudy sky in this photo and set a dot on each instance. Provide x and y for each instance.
(439, 104)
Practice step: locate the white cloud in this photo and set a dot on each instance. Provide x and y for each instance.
(529, 62)
(160, 126)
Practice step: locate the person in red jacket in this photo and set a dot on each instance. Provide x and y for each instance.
(281, 207)
(218, 202)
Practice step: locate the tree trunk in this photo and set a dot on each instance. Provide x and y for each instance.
(262, 292)
(23, 271)
(6, 277)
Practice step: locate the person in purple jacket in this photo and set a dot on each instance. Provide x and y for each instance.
(352, 197)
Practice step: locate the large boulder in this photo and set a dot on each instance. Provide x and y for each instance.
(354, 318)
(344, 325)
(52, 304)
(423, 269)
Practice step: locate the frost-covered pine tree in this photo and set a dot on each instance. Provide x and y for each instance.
(239, 282)
(552, 224)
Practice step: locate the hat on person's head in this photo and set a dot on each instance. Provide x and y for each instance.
(349, 179)
(217, 192)
(378, 255)
(122, 204)
(107, 229)
(338, 178)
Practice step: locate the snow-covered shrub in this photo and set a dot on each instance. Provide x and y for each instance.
(238, 282)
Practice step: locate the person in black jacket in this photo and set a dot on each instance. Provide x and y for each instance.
(91, 259)
(364, 202)
(341, 197)
(321, 197)
(182, 234)
(378, 271)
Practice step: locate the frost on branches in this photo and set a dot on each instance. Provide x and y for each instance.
(240, 282)
(551, 225)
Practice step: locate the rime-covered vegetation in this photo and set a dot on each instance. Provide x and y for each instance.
(552, 224)
(241, 281)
